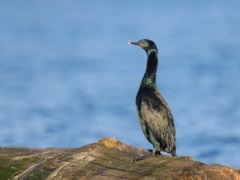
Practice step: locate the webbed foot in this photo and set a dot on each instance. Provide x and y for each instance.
(145, 156)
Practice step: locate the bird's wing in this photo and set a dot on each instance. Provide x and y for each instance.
(158, 116)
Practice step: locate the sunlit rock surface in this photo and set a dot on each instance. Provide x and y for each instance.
(107, 159)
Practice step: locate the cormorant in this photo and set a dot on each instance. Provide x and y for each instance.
(154, 115)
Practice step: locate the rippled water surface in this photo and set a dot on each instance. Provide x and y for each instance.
(68, 76)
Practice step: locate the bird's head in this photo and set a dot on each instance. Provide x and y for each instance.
(146, 44)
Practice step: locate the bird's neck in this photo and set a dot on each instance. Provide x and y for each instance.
(149, 78)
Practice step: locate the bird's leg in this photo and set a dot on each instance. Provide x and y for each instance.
(145, 156)
(173, 153)
(155, 152)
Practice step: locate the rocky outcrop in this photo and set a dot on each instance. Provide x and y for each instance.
(107, 159)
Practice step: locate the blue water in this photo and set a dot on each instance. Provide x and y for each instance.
(68, 76)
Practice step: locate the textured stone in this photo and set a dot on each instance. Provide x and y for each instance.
(107, 159)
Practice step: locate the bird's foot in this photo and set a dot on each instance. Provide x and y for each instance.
(141, 157)
(145, 156)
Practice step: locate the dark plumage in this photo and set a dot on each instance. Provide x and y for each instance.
(154, 115)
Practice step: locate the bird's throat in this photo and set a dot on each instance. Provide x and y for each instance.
(149, 78)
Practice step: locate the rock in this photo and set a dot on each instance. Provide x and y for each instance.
(107, 159)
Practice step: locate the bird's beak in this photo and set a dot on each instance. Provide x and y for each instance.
(135, 43)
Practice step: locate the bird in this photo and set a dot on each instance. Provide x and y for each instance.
(154, 114)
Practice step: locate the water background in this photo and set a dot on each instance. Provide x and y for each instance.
(68, 76)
